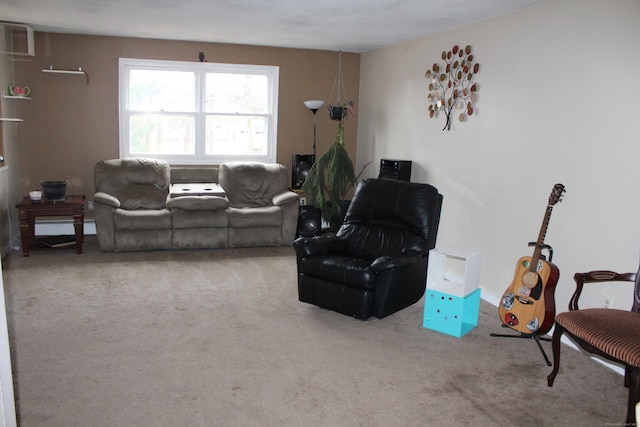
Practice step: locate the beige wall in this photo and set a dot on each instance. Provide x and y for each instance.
(69, 125)
(558, 102)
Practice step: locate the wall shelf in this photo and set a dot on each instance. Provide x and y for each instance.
(7, 119)
(4, 95)
(65, 71)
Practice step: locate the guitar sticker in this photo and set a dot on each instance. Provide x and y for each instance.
(510, 319)
(507, 300)
(533, 325)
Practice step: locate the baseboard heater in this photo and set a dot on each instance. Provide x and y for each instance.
(62, 227)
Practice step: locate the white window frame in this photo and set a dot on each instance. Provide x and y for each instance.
(200, 69)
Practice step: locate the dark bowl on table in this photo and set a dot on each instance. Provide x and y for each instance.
(54, 190)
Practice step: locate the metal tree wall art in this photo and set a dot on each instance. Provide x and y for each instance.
(452, 86)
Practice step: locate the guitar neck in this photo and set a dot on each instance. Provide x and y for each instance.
(543, 232)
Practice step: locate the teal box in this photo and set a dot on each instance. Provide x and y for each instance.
(451, 314)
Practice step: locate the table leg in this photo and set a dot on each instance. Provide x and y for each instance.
(25, 232)
(78, 225)
(24, 237)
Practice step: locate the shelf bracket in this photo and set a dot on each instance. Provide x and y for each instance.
(65, 71)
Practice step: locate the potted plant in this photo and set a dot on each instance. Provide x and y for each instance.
(332, 176)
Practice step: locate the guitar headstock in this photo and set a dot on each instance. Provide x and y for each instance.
(556, 194)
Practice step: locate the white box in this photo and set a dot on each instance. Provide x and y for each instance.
(454, 271)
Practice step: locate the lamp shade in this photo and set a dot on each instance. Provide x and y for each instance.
(313, 104)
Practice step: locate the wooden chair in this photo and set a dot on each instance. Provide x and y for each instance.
(610, 333)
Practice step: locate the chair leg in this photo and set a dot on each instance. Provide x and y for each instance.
(555, 347)
(633, 379)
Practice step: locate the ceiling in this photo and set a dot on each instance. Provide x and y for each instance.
(347, 25)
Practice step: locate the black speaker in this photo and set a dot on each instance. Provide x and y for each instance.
(301, 165)
(395, 169)
(309, 221)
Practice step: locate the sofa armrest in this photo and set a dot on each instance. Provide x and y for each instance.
(284, 198)
(395, 261)
(320, 245)
(106, 199)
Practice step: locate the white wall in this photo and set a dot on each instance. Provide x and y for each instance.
(10, 173)
(559, 101)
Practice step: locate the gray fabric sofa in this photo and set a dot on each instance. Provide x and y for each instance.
(135, 209)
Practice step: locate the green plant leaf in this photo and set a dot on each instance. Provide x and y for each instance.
(330, 177)
(467, 49)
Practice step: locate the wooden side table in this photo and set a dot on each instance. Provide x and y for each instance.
(28, 210)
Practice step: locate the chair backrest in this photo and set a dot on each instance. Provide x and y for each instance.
(636, 294)
(388, 217)
(605, 276)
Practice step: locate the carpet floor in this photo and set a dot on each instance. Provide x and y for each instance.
(219, 338)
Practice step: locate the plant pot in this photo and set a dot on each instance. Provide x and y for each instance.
(54, 190)
(337, 112)
(337, 219)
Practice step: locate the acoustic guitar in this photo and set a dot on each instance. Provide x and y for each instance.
(528, 305)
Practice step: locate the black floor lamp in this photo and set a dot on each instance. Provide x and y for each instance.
(314, 105)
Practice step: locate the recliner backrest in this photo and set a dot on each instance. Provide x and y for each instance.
(138, 183)
(388, 217)
(252, 184)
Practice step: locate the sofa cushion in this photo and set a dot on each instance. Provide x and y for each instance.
(270, 216)
(183, 219)
(252, 184)
(142, 219)
(197, 203)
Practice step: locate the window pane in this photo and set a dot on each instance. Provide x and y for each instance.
(236, 93)
(162, 134)
(236, 135)
(162, 91)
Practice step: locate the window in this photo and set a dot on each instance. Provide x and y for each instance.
(198, 112)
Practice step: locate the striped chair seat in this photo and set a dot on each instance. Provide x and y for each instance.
(615, 332)
(612, 334)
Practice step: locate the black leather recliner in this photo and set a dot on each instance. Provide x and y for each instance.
(376, 264)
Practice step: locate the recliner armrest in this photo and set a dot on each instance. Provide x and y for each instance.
(284, 198)
(320, 245)
(106, 199)
(396, 261)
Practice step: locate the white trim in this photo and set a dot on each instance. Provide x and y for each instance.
(200, 70)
